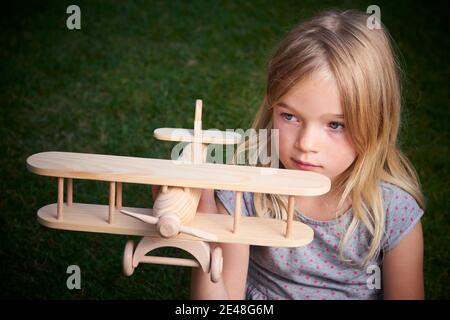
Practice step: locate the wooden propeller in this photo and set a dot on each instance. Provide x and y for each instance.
(169, 225)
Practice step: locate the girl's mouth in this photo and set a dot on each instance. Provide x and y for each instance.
(305, 165)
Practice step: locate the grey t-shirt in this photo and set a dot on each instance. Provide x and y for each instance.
(315, 271)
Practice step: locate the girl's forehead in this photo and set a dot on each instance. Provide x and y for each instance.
(316, 96)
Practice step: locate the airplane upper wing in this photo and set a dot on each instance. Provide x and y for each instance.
(175, 173)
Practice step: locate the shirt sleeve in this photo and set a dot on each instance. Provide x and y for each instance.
(228, 200)
(402, 214)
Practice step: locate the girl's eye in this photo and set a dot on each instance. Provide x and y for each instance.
(287, 116)
(335, 125)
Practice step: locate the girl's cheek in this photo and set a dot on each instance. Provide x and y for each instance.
(338, 137)
(276, 123)
(286, 135)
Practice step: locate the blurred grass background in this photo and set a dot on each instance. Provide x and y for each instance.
(138, 65)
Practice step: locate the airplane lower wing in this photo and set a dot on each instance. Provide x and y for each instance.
(252, 230)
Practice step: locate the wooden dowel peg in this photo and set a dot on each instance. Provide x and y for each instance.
(237, 211)
(112, 197)
(196, 144)
(59, 214)
(119, 196)
(69, 192)
(290, 217)
(198, 110)
(170, 261)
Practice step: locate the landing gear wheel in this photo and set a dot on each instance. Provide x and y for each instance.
(216, 264)
(128, 268)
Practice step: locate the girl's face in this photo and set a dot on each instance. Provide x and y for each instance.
(312, 129)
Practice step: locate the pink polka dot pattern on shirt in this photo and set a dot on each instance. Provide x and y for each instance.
(315, 271)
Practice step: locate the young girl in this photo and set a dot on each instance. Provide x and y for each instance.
(333, 93)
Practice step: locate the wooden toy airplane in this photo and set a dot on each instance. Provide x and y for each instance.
(173, 221)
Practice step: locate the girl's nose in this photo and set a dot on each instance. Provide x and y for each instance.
(307, 140)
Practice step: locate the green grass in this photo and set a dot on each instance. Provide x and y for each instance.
(136, 66)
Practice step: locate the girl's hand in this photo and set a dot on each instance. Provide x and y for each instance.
(207, 202)
(155, 192)
(236, 256)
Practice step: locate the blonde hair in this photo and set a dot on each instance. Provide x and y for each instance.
(367, 73)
